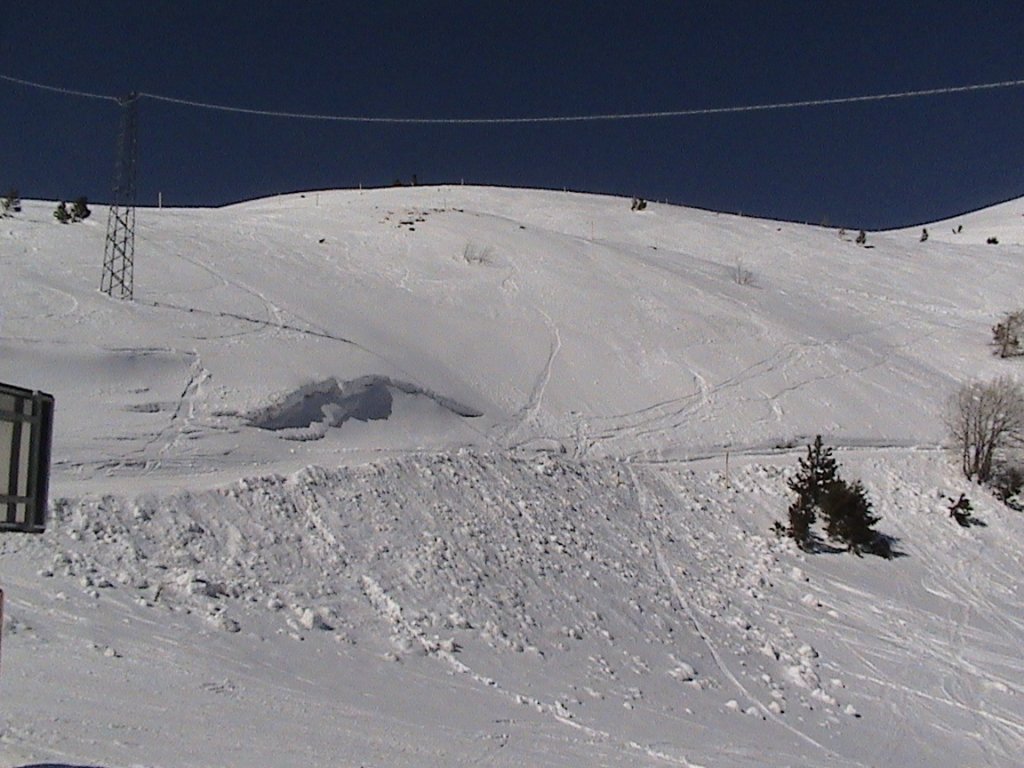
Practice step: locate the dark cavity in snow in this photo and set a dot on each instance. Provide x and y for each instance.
(307, 413)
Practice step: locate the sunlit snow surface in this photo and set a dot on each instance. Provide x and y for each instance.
(439, 476)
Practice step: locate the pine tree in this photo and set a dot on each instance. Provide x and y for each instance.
(848, 515)
(61, 214)
(817, 473)
(801, 518)
(80, 209)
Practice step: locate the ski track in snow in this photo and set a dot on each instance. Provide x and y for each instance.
(643, 507)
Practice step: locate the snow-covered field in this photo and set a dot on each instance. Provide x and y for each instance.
(453, 476)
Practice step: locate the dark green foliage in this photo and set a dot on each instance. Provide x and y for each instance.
(61, 214)
(817, 472)
(843, 506)
(848, 516)
(80, 209)
(801, 518)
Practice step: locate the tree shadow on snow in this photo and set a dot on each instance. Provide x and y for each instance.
(883, 546)
(818, 546)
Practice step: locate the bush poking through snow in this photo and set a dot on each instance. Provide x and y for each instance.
(993, 241)
(961, 510)
(80, 209)
(741, 275)
(473, 254)
(1006, 334)
(985, 417)
(10, 203)
(1008, 484)
(61, 213)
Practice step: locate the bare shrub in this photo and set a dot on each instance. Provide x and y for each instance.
(984, 417)
(1007, 334)
(1008, 484)
(474, 254)
(741, 275)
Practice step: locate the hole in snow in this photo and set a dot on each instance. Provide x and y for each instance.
(309, 412)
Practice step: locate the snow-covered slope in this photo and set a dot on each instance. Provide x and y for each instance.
(439, 476)
(560, 319)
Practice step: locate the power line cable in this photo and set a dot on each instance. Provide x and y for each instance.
(55, 89)
(536, 119)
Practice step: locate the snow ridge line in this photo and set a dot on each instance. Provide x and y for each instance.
(666, 571)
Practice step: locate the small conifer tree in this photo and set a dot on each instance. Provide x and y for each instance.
(801, 518)
(844, 506)
(61, 214)
(818, 471)
(848, 514)
(80, 209)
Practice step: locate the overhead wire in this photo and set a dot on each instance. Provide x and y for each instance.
(55, 89)
(530, 119)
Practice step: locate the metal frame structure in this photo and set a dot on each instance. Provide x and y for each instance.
(26, 436)
(119, 251)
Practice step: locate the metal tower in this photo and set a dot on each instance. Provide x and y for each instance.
(119, 251)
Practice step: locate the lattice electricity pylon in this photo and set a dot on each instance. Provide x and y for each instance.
(119, 251)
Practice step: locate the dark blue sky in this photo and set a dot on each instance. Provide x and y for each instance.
(865, 165)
